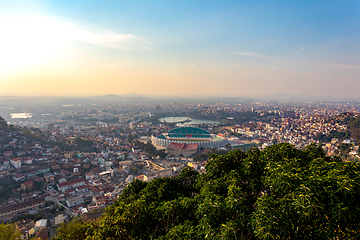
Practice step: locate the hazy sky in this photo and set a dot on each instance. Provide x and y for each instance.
(182, 48)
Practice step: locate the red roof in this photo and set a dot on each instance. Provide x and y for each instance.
(71, 182)
(16, 159)
(175, 146)
(191, 146)
(184, 146)
(140, 177)
(221, 135)
(82, 187)
(28, 183)
(94, 189)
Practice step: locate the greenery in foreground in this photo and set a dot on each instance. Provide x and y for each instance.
(277, 193)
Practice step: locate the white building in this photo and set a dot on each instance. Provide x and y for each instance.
(71, 184)
(71, 202)
(16, 162)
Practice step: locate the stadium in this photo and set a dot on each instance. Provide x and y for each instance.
(186, 140)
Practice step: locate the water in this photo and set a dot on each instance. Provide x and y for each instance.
(186, 121)
(21, 115)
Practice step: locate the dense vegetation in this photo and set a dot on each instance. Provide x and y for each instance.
(333, 134)
(278, 193)
(9, 231)
(150, 149)
(353, 124)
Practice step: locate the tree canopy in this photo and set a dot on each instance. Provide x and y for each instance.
(278, 193)
(9, 231)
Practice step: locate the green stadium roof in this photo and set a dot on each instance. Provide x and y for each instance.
(190, 132)
(161, 136)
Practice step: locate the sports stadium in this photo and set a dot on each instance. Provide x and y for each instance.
(189, 135)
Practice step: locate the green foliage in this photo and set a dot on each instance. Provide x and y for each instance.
(333, 134)
(150, 149)
(83, 143)
(9, 232)
(132, 137)
(278, 193)
(316, 201)
(344, 148)
(200, 157)
(76, 229)
(7, 185)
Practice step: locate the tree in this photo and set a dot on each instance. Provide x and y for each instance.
(75, 229)
(278, 193)
(308, 197)
(9, 232)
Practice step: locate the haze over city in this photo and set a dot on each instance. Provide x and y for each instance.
(182, 48)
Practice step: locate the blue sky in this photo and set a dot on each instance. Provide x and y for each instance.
(206, 48)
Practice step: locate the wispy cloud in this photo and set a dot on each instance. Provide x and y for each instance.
(52, 29)
(249, 54)
(302, 48)
(98, 35)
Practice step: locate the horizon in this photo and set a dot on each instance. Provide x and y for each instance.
(132, 96)
(202, 49)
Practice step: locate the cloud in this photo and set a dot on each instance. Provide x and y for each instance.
(193, 65)
(274, 67)
(302, 48)
(249, 54)
(92, 34)
(47, 28)
(238, 64)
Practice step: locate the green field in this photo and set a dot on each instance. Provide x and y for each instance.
(245, 147)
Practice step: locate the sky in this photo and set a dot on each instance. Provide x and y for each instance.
(184, 48)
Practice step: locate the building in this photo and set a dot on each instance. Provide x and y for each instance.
(49, 177)
(8, 212)
(92, 217)
(59, 219)
(27, 185)
(71, 184)
(99, 200)
(182, 149)
(16, 162)
(41, 224)
(156, 174)
(189, 135)
(73, 201)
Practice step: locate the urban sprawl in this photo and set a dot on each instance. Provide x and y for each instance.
(64, 159)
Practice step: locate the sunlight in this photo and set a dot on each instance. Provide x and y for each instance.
(28, 41)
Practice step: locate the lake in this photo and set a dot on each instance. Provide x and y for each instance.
(186, 121)
(21, 115)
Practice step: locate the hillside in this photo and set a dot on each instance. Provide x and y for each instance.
(277, 193)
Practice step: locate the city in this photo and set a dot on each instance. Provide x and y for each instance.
(78, 158)
(179, 120)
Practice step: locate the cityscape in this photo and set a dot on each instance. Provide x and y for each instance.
(60, 161)
(179, 119)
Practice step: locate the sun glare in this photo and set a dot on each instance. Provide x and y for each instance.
(28, 41)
